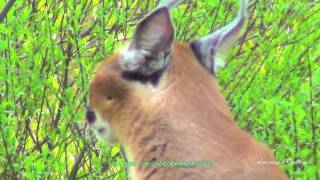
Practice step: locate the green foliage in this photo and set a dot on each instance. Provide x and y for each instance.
(49, 51)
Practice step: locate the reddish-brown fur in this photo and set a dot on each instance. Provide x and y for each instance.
(183, 118)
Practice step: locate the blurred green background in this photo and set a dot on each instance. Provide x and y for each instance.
(49, 50)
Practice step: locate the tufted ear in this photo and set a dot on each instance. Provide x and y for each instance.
(150, 48)
(212, 49)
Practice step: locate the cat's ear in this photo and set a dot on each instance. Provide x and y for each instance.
(154, 34)
(168, 3)
(151, 45)
(212, 49)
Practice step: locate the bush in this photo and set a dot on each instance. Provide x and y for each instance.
(49, 51)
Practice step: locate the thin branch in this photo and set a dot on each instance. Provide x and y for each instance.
(313, 121)
(5, 145)
(6, 9)
(75, 168)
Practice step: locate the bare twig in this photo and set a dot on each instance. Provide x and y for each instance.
(313, 121)
(6, 9)
(75, 167)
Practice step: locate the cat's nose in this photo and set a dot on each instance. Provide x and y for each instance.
(90, 116)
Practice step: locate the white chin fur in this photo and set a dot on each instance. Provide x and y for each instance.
(103, 130)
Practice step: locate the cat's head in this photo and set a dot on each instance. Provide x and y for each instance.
(125, 82)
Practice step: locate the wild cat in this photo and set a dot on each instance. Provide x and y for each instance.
(161, 101)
